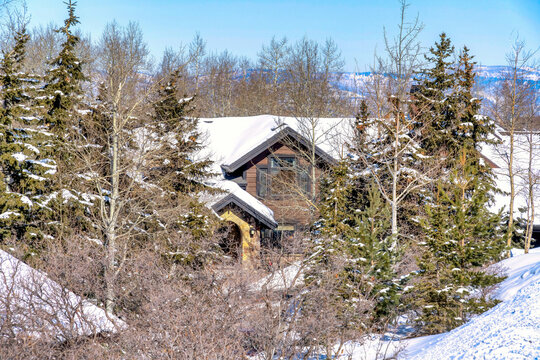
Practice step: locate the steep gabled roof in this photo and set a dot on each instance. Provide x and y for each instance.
(283, 133)
(232, 140)
(234, 195)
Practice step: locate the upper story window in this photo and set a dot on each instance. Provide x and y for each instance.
(282, 177)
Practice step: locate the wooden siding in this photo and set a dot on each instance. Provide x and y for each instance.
(290, 210)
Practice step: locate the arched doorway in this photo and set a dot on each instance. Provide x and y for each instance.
(231, 240)
(249, 243)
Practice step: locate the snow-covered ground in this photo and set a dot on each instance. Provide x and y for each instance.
(510, 330)
(39, 307)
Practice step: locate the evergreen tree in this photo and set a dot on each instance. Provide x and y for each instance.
(462, 236)
(177, 170)
(373, 231)
(24, 145)
(65, 78)
(436, 115)
(64, 118)
(357, 148)
(334, 260)
(355, 244)
(472, 128)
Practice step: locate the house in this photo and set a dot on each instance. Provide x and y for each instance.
(269, 168)
(497, 156)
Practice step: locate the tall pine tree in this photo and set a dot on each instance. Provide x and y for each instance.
(26, 169)
(462, 236)
(179, 171)
(65, 77)
(431, 97)
(64, 118)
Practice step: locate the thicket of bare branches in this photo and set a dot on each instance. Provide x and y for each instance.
(294, 80)
(221, 312)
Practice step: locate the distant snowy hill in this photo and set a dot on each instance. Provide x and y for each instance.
(487, 76)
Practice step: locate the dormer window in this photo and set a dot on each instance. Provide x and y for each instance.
(282, 177)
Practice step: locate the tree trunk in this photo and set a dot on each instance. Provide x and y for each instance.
(530, 182)
(511, 154)
(111, 245)
(512, 191)
(394, 182)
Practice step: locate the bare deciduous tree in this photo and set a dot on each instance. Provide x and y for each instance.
(197, 52)
(508, 109)
(393, 118)
(106, 159)
(272, 59)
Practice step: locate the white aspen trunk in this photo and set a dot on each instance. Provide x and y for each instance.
(111, 244)
(512, 188)
(313, 165)
(511, 158)
(395, 181)
(530, 183)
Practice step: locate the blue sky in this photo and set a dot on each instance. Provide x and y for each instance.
(487, 27)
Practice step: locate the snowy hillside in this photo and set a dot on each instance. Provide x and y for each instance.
(510, 330)
(487, 76)
(40, 307)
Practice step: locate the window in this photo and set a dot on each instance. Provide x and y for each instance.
(262, 182)
(283, 176)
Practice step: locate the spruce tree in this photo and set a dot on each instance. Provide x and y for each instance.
(64, 118)
(65, 77)
(334, 257)
(354, 243)
(436, 115)
(472, 129)
(462, 237)
(24, 145)
(178, 172)
(357, 149)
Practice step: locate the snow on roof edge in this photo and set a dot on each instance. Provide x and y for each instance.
(232, 188)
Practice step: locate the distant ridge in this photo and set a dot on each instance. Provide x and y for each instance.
(487, 77)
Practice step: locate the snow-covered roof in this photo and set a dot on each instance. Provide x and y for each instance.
(40, 307)
(233, 194)
(499, 155)
(230, 138)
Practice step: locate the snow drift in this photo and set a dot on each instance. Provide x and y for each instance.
(510, 330)
(33, 305)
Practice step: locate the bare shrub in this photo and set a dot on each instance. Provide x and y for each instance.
(40, 317)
